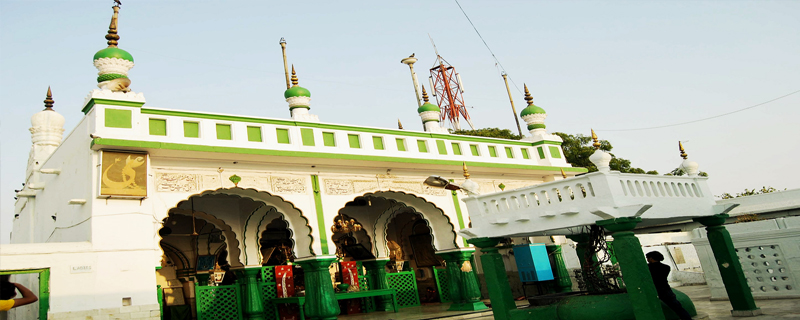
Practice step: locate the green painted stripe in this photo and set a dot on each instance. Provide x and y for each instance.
(92, 102)
(344, 127)
(323, 238)
(458, 213)
(203, 148)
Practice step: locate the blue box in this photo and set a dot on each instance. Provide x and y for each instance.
(532, 262)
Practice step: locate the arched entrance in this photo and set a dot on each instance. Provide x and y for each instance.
(226, 226)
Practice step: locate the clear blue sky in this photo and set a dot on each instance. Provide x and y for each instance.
(602, 65)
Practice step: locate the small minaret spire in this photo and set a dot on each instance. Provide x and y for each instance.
(596, 144)
(683, 153)
(528, 97)
(112, 35)
(48, 102)
(424, 95)
(466, 172)
(294, 77)
(399, 124)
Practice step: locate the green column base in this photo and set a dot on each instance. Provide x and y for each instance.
(253, 306)
(467, 306)
(321, 301)
(376, 271)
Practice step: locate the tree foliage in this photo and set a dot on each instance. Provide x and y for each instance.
(679, 172)
(749, 192)
(578, 148)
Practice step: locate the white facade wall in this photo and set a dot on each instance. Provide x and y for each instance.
(769, 255)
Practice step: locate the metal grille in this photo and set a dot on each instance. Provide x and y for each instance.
(766, 270)
(368, 303)
(218, 303)
(269, 291)
(405, 283)
(442, 284)
(268, 274)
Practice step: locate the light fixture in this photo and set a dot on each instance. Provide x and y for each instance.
(439, 182)
(342, 226)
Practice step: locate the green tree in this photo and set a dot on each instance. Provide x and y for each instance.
(578, 148)
(750, 192)
(679, 172)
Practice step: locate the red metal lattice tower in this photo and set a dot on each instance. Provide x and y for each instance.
(448, 89)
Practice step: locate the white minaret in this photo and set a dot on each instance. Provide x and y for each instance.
(600, 158)
(430, 114)
(47, 130)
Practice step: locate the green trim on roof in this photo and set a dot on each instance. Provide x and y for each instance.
(92, 102)
(110, 76)
(203, 148)
(344, 127)
(113, 52)
(536, 126)
(296, 91)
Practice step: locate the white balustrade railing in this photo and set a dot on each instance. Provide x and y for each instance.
(552, 207)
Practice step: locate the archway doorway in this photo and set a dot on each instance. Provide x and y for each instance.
(410, 243)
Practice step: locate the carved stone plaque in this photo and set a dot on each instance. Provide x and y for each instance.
(177, 182)
(288, 185)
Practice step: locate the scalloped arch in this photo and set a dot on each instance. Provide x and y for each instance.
(442, 230)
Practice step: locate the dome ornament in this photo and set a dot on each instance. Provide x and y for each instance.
(600, 158)
(683, 152)
(294, 77)
(690, 167)
(112, 35)
(112, 62)
(534, 116)
(48, 102)
(424, 95)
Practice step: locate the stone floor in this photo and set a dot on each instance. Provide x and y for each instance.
(714, 310)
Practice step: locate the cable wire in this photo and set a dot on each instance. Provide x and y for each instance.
(703, 119)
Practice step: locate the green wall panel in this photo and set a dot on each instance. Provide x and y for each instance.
(283, 135)
(401, 144)
(441, 146)
(555, 153)
(224, 132)
(492, 151)
(541, 152)
(308, 137)
(118, 118)
(354, 141)
(509, 152)
(328, 139)
(422, 146)
(158, 127)
(254, 134)
(474, 149)
(377, 143)
(191, 129)
(525, 154)
(456, 148)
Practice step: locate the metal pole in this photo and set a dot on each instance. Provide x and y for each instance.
(285, 64)
(410, 62)
(505, 78)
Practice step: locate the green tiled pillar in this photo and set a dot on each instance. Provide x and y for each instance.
(729, 267)
(494, 272)
(376, 273)
(562, 279)
(253, 306)
(320, 299)
(632, 263)
(462, 281)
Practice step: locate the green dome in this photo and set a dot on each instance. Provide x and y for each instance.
(531, 109)
(428, 107)
(296, 91)
(112, 52)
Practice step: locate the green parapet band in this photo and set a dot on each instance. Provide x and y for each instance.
(110, 76)
(536, 126)
(219, 149)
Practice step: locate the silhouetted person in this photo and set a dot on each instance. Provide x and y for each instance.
(659, 272)
(229, 277)
(8, 292)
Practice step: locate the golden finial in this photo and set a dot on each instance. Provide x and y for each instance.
(466, 172)
(683, 153)
(424, 94)
(48, 102)
(596, 144)
(294, 77)
(112, 35)
(399, 124)
(528, 97)
(563, 174)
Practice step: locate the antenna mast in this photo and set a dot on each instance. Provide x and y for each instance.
(447, 87)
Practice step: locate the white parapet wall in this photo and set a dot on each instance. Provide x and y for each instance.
(769, 253)
(558, 207)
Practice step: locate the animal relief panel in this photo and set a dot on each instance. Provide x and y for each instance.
(123, 174)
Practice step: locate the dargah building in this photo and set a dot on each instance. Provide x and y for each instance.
(134, 212)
